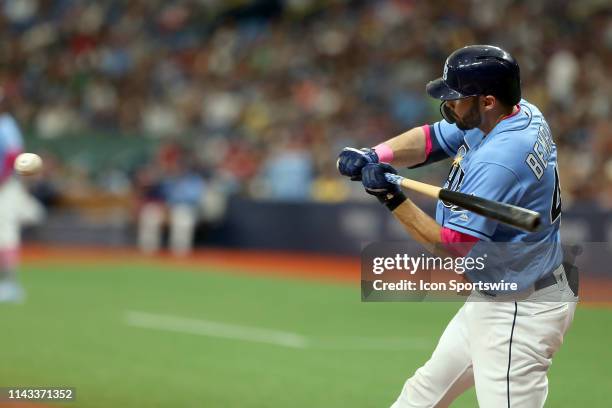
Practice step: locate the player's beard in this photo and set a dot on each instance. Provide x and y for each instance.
(471, 119)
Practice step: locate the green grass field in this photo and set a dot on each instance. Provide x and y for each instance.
(149, 335)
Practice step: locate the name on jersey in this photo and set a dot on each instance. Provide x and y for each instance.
(537, 160)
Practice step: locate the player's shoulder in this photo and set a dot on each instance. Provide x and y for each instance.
(9, 127)
(526, 118)
(8, 122)
(513, 139)
(515, 134)
(7, 118)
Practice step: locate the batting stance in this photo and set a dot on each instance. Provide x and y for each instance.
(503, 150)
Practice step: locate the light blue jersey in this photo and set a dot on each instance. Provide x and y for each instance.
(10, 136)
(516, 163)
(11, 144)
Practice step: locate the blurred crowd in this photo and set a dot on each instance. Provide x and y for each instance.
(262, 95)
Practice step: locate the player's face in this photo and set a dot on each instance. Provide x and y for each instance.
(465, 112)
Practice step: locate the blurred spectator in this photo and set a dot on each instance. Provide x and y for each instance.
(172, 196)
(287, 174)
(561, 77)
(328, 188)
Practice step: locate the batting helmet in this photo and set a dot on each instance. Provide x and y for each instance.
(478, 70)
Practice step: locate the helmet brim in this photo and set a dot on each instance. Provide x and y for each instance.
(439, 90)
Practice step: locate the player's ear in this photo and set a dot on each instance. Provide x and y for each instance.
(488, 102)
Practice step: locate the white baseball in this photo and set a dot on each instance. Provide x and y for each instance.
(27, 164)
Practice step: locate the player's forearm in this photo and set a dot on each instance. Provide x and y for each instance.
(419, 225)
(425, 230)
(409, 148)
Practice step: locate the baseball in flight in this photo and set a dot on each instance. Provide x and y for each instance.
(27, 164)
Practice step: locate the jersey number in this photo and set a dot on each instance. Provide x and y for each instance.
(555, 209)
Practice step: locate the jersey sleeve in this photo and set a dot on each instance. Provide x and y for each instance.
(493, 182)
(11, 144)
(447, 136)
(10, 134)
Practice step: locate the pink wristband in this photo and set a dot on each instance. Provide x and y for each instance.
(384, 153)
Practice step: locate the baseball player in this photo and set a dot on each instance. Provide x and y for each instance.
(16, 207)
(503, 150)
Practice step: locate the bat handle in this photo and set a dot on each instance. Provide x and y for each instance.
(413, 185)
(394, 178)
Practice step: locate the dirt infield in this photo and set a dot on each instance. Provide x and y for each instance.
(284, 264)
(595, 292)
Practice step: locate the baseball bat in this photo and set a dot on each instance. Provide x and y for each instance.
(508, 214)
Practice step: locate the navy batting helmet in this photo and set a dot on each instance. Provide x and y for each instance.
(478, 70)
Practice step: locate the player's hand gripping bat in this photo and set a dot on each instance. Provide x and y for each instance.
(509, 214)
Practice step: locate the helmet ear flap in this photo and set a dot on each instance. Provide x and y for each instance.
(446, 113)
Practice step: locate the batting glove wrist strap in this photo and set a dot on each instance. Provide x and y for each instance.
(392, 201)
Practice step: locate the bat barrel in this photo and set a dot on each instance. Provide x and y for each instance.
(509, 214)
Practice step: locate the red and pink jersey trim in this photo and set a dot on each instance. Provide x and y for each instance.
(458, 242)
(428, 145)
(6, 166)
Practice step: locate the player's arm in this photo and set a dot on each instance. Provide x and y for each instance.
(416, 147)
(409, 149)
(423, 228)
(418, 224)
(405, 150)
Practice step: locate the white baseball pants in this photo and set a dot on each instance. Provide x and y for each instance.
(17, 207)
(503, 348)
